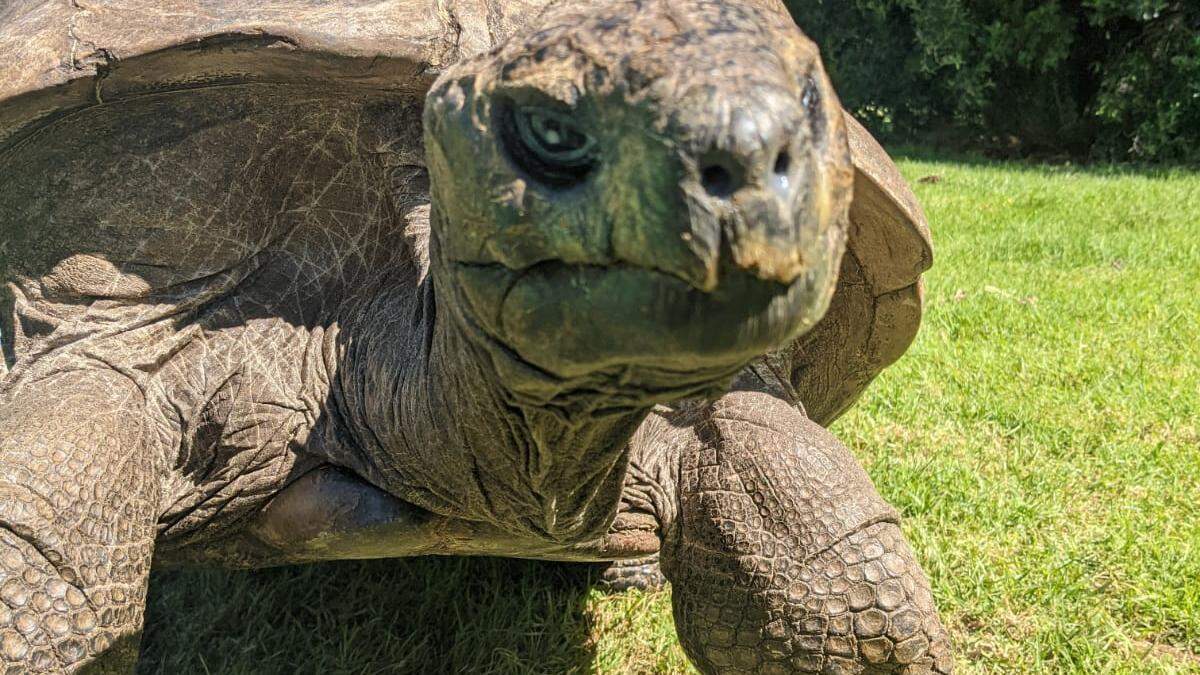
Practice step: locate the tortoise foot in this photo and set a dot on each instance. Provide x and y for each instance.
(642, 574)
(786, 559)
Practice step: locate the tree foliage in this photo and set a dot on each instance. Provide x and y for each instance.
(1109, 79)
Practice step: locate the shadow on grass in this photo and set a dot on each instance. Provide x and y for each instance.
(916, 153)
(420, 615)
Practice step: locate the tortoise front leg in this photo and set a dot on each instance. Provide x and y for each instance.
(78, 502)
(781, 556)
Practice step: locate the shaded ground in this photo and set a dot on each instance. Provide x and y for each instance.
(1042, 438)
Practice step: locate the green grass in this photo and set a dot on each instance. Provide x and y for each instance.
(1042, 438)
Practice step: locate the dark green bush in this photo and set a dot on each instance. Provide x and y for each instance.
(1109, 79)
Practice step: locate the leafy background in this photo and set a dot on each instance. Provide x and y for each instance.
(1092, 79)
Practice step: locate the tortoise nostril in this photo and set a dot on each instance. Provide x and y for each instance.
(717, 180)
(781, 180)
(782, 163)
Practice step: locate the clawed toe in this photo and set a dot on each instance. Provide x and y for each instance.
(640, 573)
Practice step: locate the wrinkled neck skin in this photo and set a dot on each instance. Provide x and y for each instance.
(444, 417)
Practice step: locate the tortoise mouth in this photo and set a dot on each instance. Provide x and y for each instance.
(573, 320)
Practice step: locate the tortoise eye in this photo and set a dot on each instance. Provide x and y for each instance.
(548, 145)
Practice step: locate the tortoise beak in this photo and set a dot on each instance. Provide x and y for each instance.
(754, 182)
(763, 176)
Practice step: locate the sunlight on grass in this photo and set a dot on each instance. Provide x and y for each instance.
(1041, 437)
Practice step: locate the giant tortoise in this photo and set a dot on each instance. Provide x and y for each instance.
(581, 280)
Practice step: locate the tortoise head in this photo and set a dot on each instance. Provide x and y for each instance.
(650, 190)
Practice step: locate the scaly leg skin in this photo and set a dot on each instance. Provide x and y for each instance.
(641, 573)
(78, 498)
(782, 557)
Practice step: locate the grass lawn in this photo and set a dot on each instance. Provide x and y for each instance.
(1042, 438)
